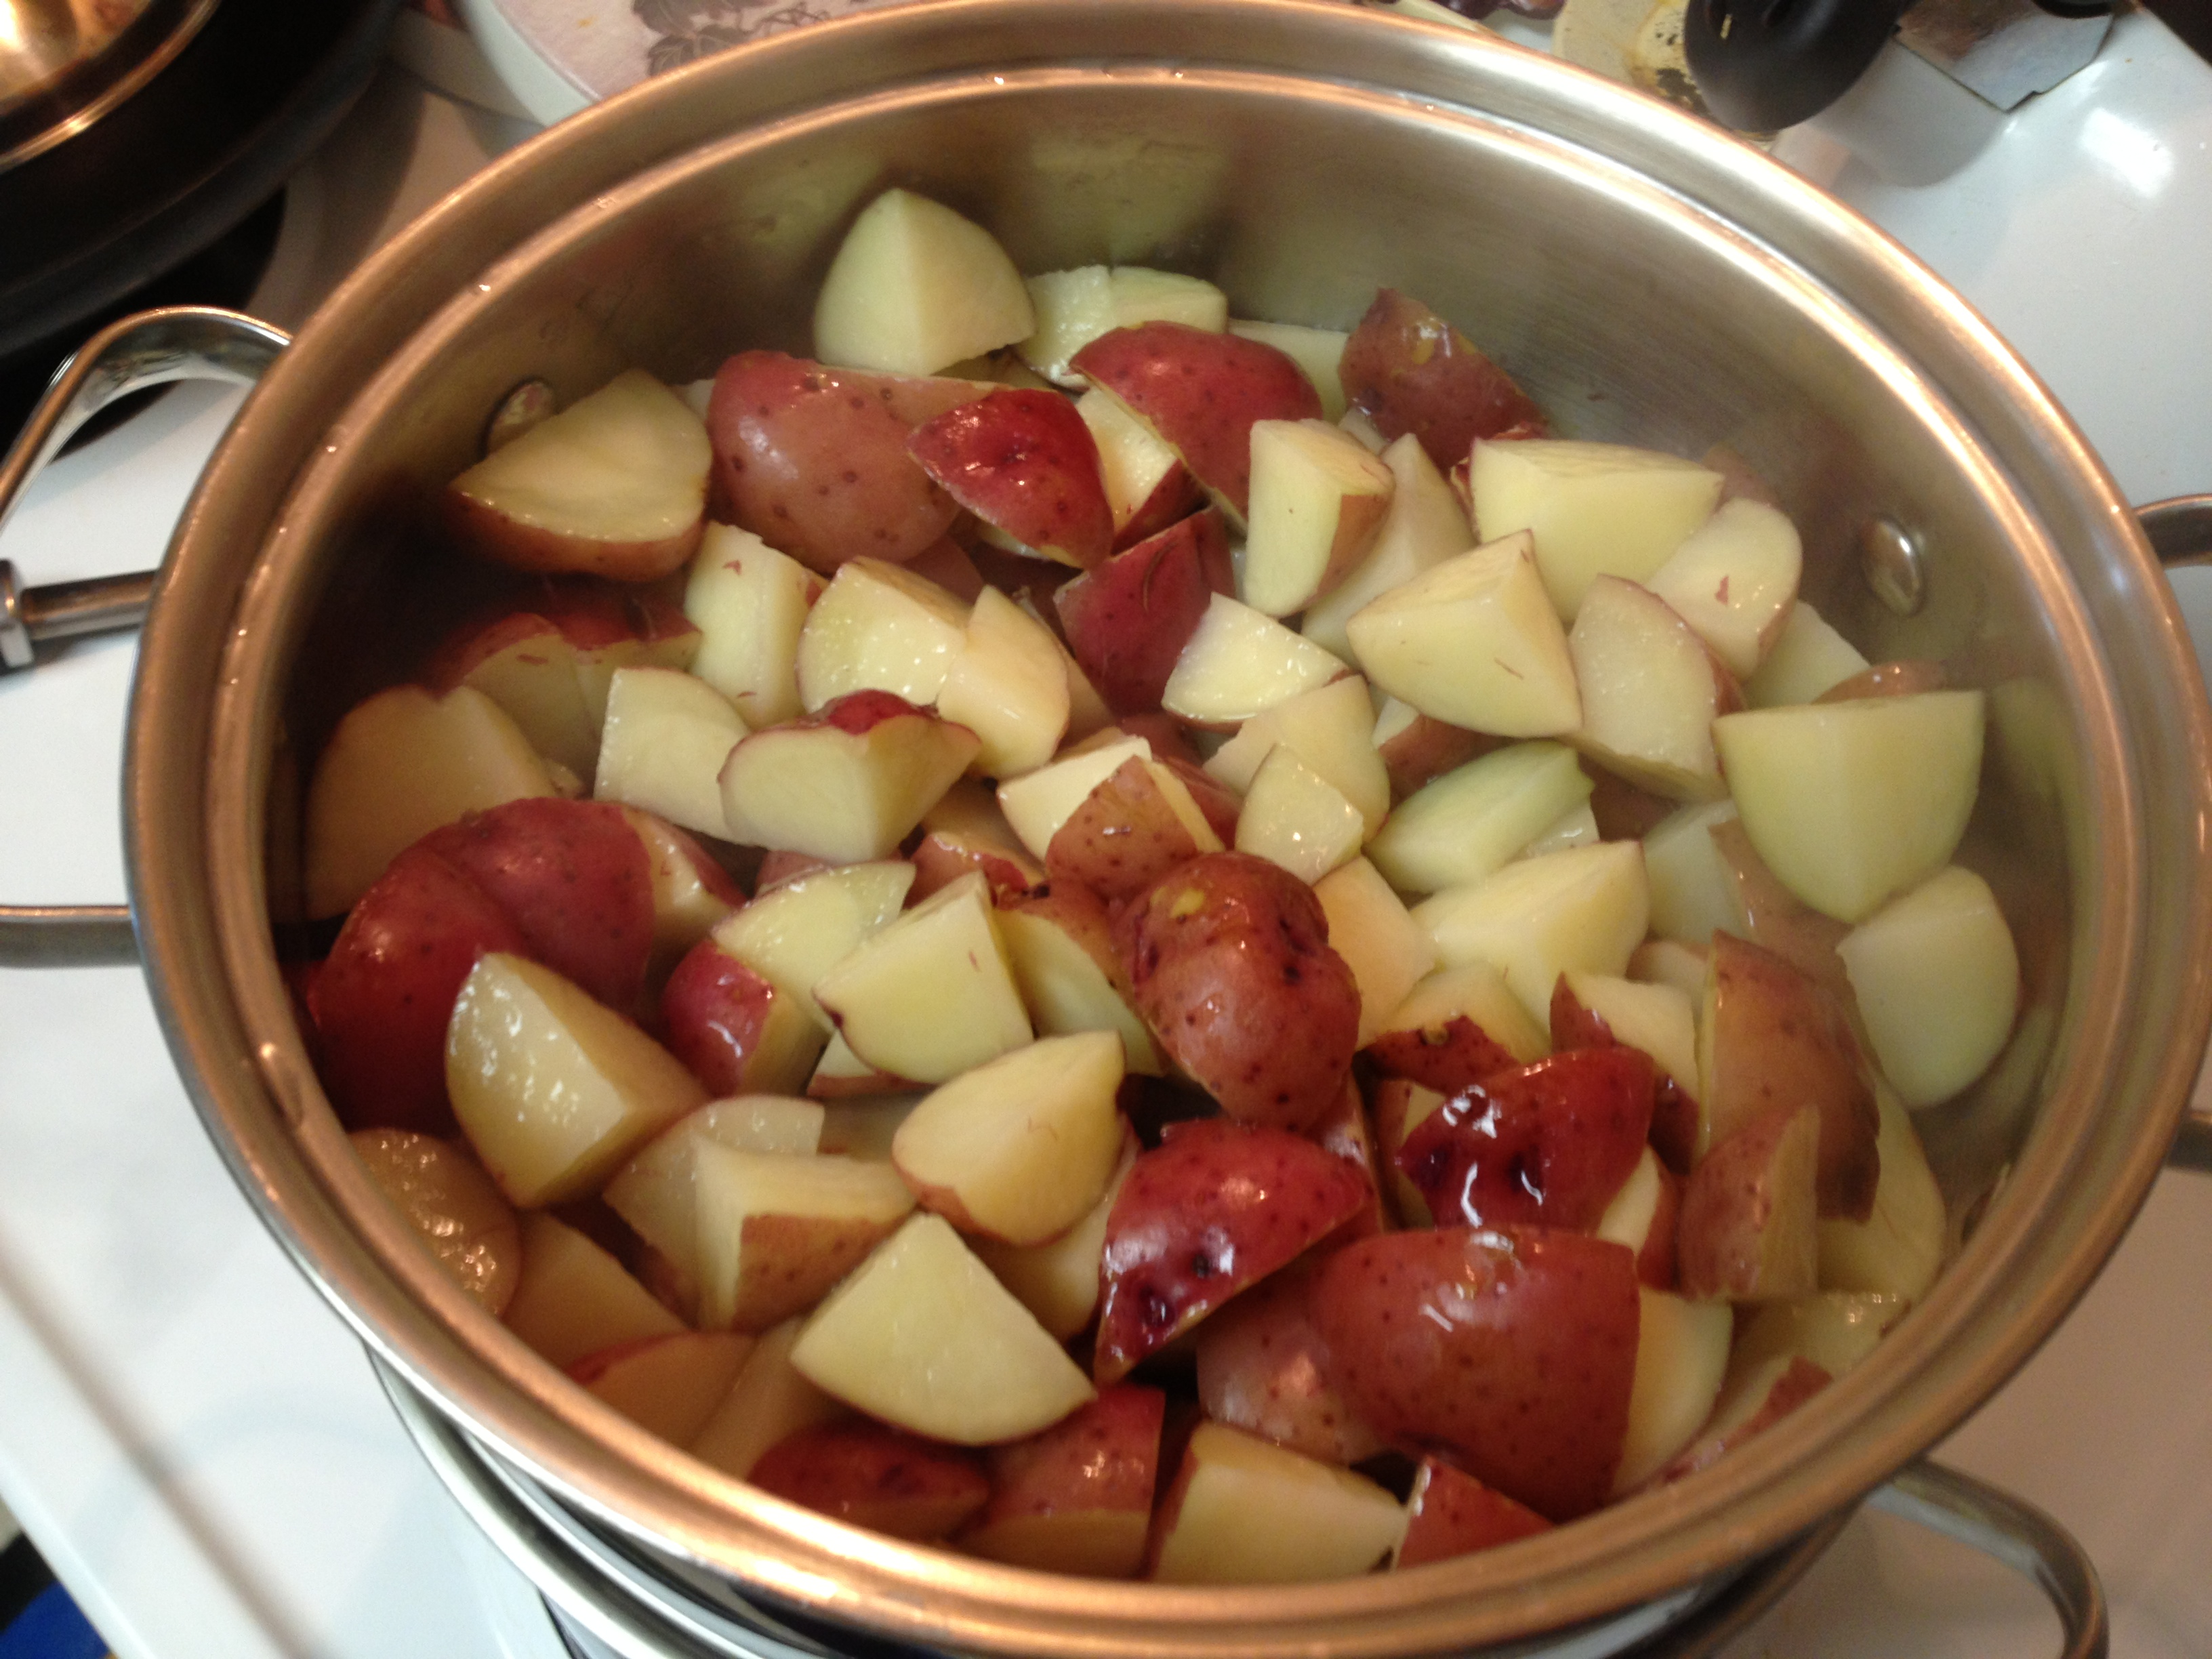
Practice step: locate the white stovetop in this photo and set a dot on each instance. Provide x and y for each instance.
(195, 1441)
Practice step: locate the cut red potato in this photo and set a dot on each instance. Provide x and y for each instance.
(1346, 1131)
(1058, 1281)
(1583, 908)
(1008, 686)
(1651, 689)
(1473, 641)
(614, 485)
(1136, 825)
(662, 747)
(768, 1404)
(1264, 1368)
(1752, 1406)
(930, 994)
(1735, 581)
(1315, 350)
(1448, 1513)
(1937, 981)
(750, 605)
(576, 881)
(1297, 819)
(572, 1298)
(872, 1476)
(1387, 952)
(915, 287)
(1513, 1347)
(553, 1088)
(1200, 393)
(846, 785)
(452, 1204)
(1077, 1497)
(1317, 500)
(1424, 526)
(655, 1191)
(1229, 965)
(1835, 1330)
(922, 1337)
(1469, 824)
(865, 1127)
(1216, 1207)
(1897, 1249)
(794, 934)
(1417, 748)
(1769, 1035)
(776, 1230)
(1853, 803)
(1694, 893)
(1593, 509)
(1021, 1147)
(382, 999)
(1681, 1357)
(1071, 972)
(966, 831)
(1146, 487)
(1411, 372)
(1025, 463)
(1242, 1511)
(1331, 729)
(841, 1074)
(879, 627)
(1773, 917)
(1645, 1215)
(1806, 659)
(1591, 1010)
(1074, 308)
(691, 893)
(813, 459)
(1457, 1026)
(1238, 663)
(667, 1385)
(1906, 677)
(399, 764)
(1552, 1143)
(1037, 804)
(737, 1032)
(1747, 1226)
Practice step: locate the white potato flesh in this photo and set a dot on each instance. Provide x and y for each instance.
(1008, 687)
(1693, 891)
(1938, 980)
(1332, 729)
(1806, 659)
(574, 1298)
(553, 1088)
(922, 1336)
(1897, 1250)
(1585, 908)
(792, 934)
(914, 288)
(1425, 526)
(1058, 1281)
(749, 603)
(1850, 803)
(1037, 803)
(666, 735)
(1474, 642)
(1469, 824)
(776, 1230)
(1295, 817)
(1659, 1020)
(1244, 1511)
(1238, 664)
(879, 628)
(1369, 926)
(1735, 581)
(1316, 350)
(1650, 689)
(1681, 1355)
(768, 1402)
(1318, 500)
(1593, 509)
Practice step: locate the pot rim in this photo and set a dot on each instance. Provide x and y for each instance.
(206, 687)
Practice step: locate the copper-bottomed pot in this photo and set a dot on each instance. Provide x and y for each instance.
(1645, 276)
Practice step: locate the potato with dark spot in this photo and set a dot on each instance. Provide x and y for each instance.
(1231, 966)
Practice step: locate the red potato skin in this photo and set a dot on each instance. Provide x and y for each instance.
(876, 1476)
(1448, 1058)
(1549, 1143)
(712, 877)
(1428, 749)
(1656, 1262)
(1127, 620)
(1412, 371)
(1217, 1206)
(1229, 965)
(490, 534)
(1673, 1109)
(1748, 1212)
(589, 615)
(1511, 1351)
(948, 564)
(574, 879)
(1451, 1513)
(1263, 1367)
(1174, 497)
(814, 460)
(1024, 461)
(1346, 1130)
(943, 856)
(1103, 1456)
(1121, 839)
(1201, 392)
(1219, 803)
(381, 1001)
(713, 1010)
(778, 866)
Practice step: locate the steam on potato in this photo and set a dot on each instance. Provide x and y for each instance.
(1025, 932)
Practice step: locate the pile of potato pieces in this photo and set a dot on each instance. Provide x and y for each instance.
(1331, 980)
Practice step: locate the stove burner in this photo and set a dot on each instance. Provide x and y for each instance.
(224, 273)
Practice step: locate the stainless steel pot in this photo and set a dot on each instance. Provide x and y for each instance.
(1644, 276)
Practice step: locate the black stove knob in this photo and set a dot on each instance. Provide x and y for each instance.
(1761, 65)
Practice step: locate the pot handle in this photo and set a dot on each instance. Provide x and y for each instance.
(180, 343)
(2179, 528)
(1942, 1500)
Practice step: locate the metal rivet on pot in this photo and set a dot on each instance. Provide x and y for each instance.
(516, 413)
(1895, 569)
